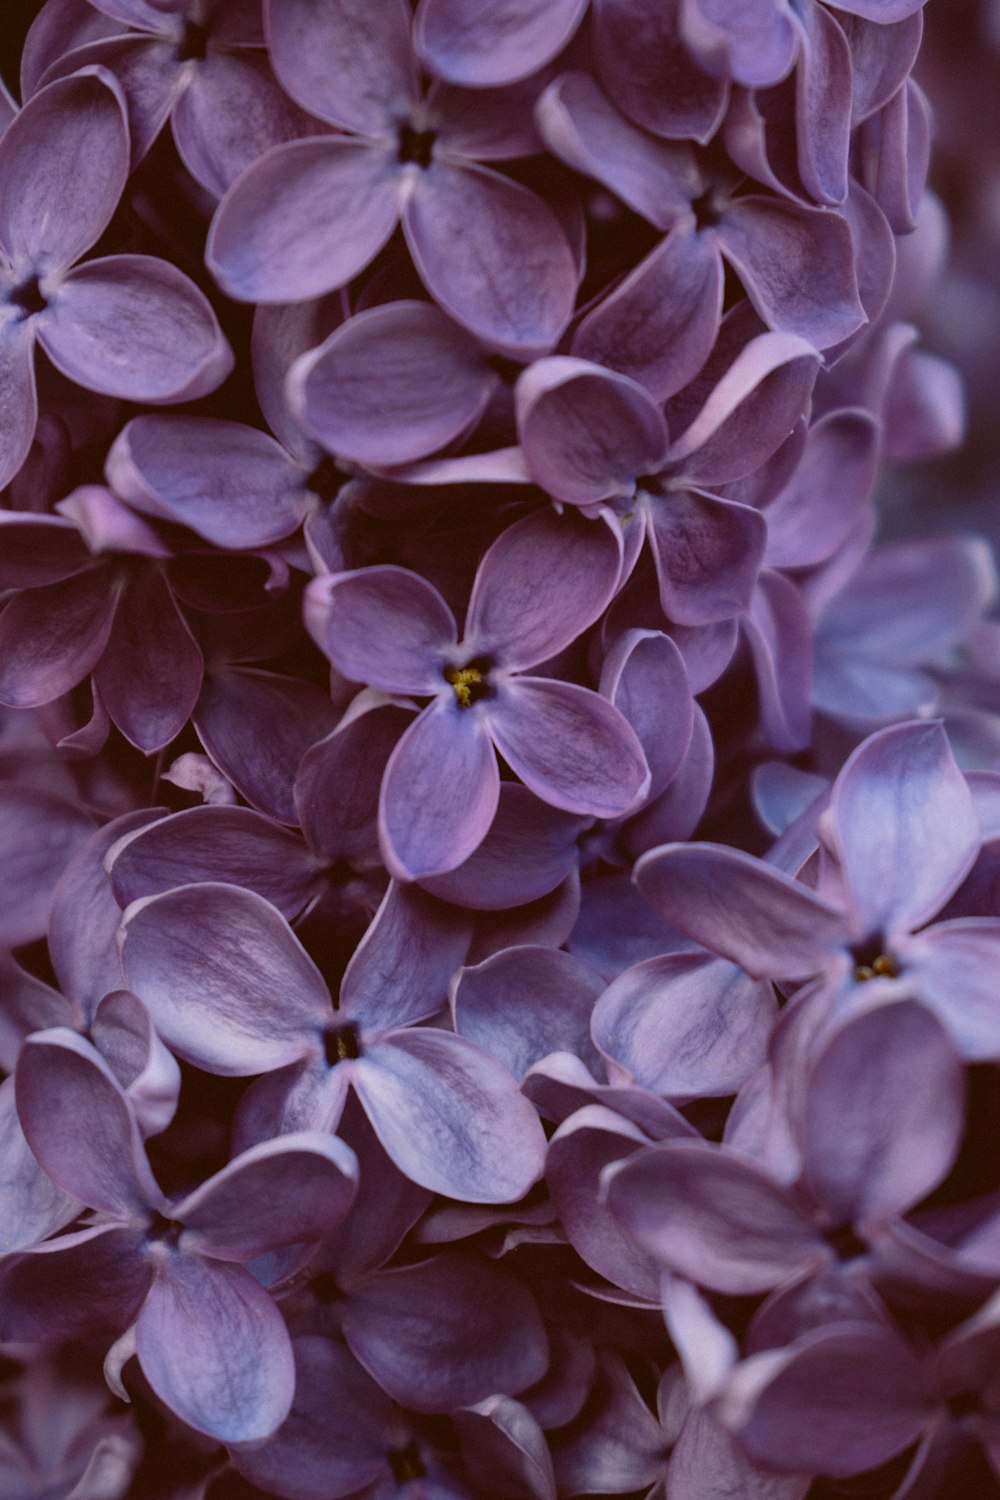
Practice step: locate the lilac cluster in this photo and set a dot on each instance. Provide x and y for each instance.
(500, 937)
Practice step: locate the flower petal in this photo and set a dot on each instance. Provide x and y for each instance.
(383, 626)
(460, 41)
(375, 73)
(643, 63)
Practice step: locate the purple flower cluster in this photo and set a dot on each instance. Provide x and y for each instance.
(500, 942)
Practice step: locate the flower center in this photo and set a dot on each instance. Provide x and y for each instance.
(164, 1231)
(342, 1043)
(406, 1463)
(871, 961)
(28, 297)
(470, 683)
(193, 44)
(415, 145)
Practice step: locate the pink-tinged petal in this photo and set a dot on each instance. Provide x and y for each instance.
(872, 1147)
(643, 63)
(460, 41)
(231, 484)
(823, 105)
(588, 1141)
(214, 1348)
(450, 1117)
(707, 552)
(81, 1127)
(569, 746)
(392, 384)
(225, 979)
(826, 497)
(493, 254)
(135, 326)
(50, 639)
(714, 1218)
(753, 42)
(439, 793)
(446, 1332)
(685, 1025)
(840, 1400)
(63, 167)
(952, 967)
(657, 179)
(743, 909)
(749, 411)
(587, 433)
(411, 934)
(383, 626)
(231, 112)
(375, 76)
(256, 726)
(778, 249)
(18, 398)
(779, 632)
(645, 678)
(905, 826)
(109, 525)
(90, 1281)
(39, 833)
(515, 616)
(659, 324)
(148, 73)
(288, 1191)
(214, 843)
(150, 674)
(305, 218)
(705, 1455)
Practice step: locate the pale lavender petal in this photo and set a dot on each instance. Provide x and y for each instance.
(902, 131)
(872, 1147)
(411, 935)
(969, 947)
(392, 384)
(256, 726)
(778, 250)
(81, 1127)
(714, 1218)
(50, 639)
(569, 746)
(31, 1205)
(645, 678)
(882, 57)
(147, 70)
(283, 1192)
(231, 844)
(705, 1454)
(516, 616)
(823, 100)
(231, 112)
(493, 254)
(707, 553)
(905, 826)
(214, 1348)
(439, 794)
(18, 398)
(658, 179)
(816, 511)
(231, 484)
(39, 833)
(587, 433)
(660, 322)
(149, 676)
(226, 981)
(460, 41)
(686, 1025)
(137, 327)
(754, 42)
(644, 65)
(123, 1034)
(61, 26)
(450, 1117)
(385, 627)
(742, 909)
(676, 813)
(841, 1400)
(63, 167)
(925, 413)
(375, 76)
(305, 218)
(526, 1002)
(446, 1332)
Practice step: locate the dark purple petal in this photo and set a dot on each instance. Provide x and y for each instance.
(526, 1002)
(50, 639)
(743, 909)
(135, 326)
(513, 281)
(530, 849)
(707, 553)
(18, 398)
(37, 550)
(460, 41)
(439, 794)
(446, 1332)
(214, 1348)
(778, 630)
(123, 1034)
(150, 674)
(450, 1117)
(705, 1454)
(502, 1443)
(305, 218)
(644, 65)
(392, 384)
(225, 979)
(375, 73)
(91, 1281)
(63, 166)
(569, 746)
(39, 833)
(31, 1205)
(338, 781)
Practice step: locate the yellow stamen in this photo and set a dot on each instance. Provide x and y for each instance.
(463, 680)
(882, 967)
